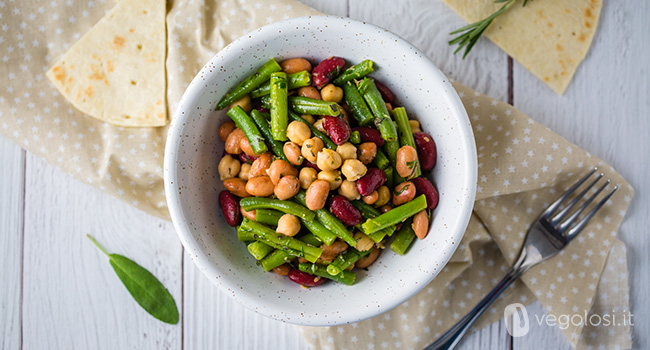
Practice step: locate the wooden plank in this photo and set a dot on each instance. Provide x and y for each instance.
(605, 110)
(12, 184)
(72, 299)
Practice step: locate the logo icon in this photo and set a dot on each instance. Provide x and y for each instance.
(516, 319)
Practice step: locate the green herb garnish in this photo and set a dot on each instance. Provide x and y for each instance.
(469, 34)
(144, 287)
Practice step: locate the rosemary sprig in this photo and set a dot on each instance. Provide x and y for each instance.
(469, 34)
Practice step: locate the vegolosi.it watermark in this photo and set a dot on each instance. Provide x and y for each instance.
(518, 321)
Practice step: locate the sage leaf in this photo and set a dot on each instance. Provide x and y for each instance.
(144, 287)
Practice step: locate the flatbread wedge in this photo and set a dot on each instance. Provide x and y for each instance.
(116, 71)
(548, 37)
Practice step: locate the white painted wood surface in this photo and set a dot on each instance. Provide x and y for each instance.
(59, 292)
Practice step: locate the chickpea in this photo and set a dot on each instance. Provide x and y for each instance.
(225, 129)
(347, 151)
(288, 225)
(386, 208)
(371, 198)
(307, 176)
(367, 152)
(287, 187)
(407, 161)
(311, 147)
(345, 114)
(328, 159)
(246, 147)
(293, 153)
(309, 92)
(368, 259)
(319, 125)
(353, 169)
(282, 270)
(298, 132)
(317, 194)
(389, 107)
(260, 165)
(244, 103)
(363, 241)
(308, 118)
(236, 186)
(233, 141)
(384, 196)
(349, 190)
(244, 169)
(295, 65)
(331, 93)
(228, 167)
(403, 193)
(248, 214)
(331, 176)
(330, 252)
(260, 186)
(420, 224)
(415, 126)
(280, 168)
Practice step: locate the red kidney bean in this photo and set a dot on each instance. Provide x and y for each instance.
(374, 178)
(426, 150)
(345, 211)
(328, 69)
(369, 134)
(337, 129)
(245, 158)
(230, 207)
(385, 92)
(425, 187)
(307, 163)
(305, 279)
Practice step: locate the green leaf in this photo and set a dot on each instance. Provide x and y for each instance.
(144, 287)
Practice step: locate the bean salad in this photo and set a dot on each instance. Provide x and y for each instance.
(321, 171)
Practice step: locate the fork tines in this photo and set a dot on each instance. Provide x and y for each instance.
(556, 216)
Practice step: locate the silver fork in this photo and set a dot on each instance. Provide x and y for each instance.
(548, 235)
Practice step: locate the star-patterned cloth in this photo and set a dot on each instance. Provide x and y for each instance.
(522, 166)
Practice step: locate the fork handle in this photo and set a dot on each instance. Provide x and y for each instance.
(452, 337)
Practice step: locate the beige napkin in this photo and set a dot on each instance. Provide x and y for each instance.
(520, 164)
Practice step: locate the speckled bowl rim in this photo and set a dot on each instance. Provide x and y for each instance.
(190, 243)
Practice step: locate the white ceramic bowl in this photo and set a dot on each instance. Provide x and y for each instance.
(192, 183)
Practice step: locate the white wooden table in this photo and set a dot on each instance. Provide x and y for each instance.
(57, 291)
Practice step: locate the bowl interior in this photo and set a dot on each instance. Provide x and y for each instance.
(194, 149)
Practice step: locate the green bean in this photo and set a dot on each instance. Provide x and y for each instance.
(319, 231)
(379, 235)
(249, 84)
(246, 124)
(310, 238)
(355, 137)
(305, 105)
(395, 215)
(390, 148)
(244, 234)
(275, 259)
(279, 109)
(267, 216)
(330, 221)
(380, 160)
(321, 135)
(259, 249)
(287, 207)
(280, 241)
(403, 238)
(357, 105)
(295, 80)
(263, 124)
(390, 176)
(355, 72)
(406, 135)
(367, 211)
(345, 277)
(384, 124)
(345, 260)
